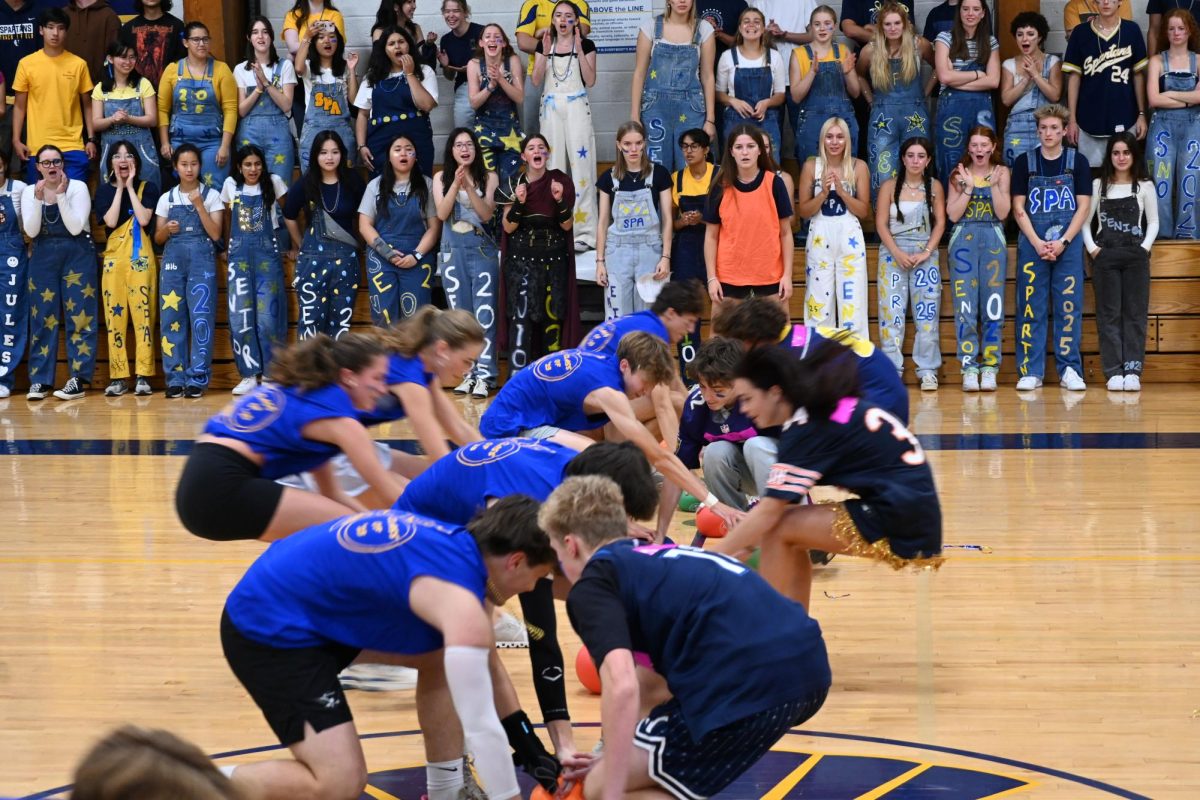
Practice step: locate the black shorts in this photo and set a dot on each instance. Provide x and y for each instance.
(223, 496)
(693, 770)
(743, 292)
(291, 686)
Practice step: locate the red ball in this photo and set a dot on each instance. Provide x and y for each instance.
(586, 671)
(709, 524)
(575, 793)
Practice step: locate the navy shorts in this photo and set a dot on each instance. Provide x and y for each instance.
(693, 770)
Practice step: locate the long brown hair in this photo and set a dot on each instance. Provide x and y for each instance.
(457, 327)
(997, 158)
(727, 173)
(316, 362)
(151, 765)
(982, 37)
(1189, 22)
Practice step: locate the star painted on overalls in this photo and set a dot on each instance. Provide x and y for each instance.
(653, 73)
(852, 242)
(89, 290)
(974, 283)
(683, 117)
(1015, 141)
(819, 240)
(69, 305)
(171, 301)
(50, 323)
(44, 350)
(582, 152)
(175, 326)
(208, 179)
(85, 349)
(479, 129)
(814, 306)
(76, 366)
(76, 338)
(580, 217)
(82, 320)
(884, 124)
(167, 348)
(512, 141)
(74, 278)
(47, 295)
(32, 288)
(916, 121)
(118, 310)
(279, 157)
(33, 312)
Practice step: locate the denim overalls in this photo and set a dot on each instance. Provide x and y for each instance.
(498, 127)
(62, 281)
(920, 286)
(826, 98)
(896, 117)
(328, 110)
(1173, 150)
(958, 112)
(197, 118)
(129, 291)
(470, 271)
(632, 248)
(187, 293)
(14, 289)
(141, 138)
(257, 308)
(752, 84)
(1045, 287)
(267, 126)
(672, 97)
(393, 113)
(1020, 132)
(326, 276)
(978, 264)
(397, 292)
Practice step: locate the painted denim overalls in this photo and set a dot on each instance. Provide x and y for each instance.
(326, 276)
(896, 116)
(397, 292)
(197, 118)
(498, 127)
(835, 255)
(187, 297)
(141, 138)
(393, 113)
(14, 289)
(826, 98)
(1045, 287)
(672, 97)
(1173, 150)
(920, 287)
(566, 122)
(328, 110)
(267, 126)
(62, 281)
(958, 112)
(633, 246)
(978, 266)
(470, 271)
(753, 84)
(257, 308)
(129, 289)
(1020, 132)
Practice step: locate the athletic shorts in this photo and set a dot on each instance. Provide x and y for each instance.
(695, 770)
(291, 686)
(743, 292)
(540, 432)
(347, 477)
(223, 496)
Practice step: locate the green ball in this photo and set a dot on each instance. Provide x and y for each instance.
(752, 561)
(688, 503)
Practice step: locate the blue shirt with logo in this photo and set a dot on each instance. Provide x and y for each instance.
(551, 391)
(605, 337)
(700, 425)
(401, 369)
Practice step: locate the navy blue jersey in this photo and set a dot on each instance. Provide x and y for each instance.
(700, 425)
(1107, 67)
(347, 581)
(551, 391)
(458, 486)
(401, 369)
(867, 450)
(605, 337)
(877, 376)
(271, 420)
(727, 644)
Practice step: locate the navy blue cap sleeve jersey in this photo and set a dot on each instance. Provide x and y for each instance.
(1107, 67)
(347, 582)
(605, 337)
(700, 426)
(727, 644)
(271, 421)
(401, 369)
(459, 485)
(551, 391)
(868, 451)
(878, 380)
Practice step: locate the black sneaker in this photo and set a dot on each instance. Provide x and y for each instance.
(143, 387)
(193, 391)
(38, 391)
(71, 390)
(820, 557)
(116, 388)
(174, 391)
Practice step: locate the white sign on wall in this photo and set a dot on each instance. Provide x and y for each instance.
(615, 24)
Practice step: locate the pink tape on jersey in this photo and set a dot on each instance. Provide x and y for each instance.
(845, 408)
(799, 335)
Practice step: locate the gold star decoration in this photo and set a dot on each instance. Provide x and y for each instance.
(74, 278)
(47, 295)
(175, 326)
(76, 366)
(89, 291)
(85, 349)
(50, 323)
(580, 217)
(70, 305)
(512, 141)
(44, 351)
(815, 307)
(167, 347)
(171, 301)
(82, 320)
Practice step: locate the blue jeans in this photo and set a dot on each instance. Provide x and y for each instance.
(628, 256)
(464, 115)
(1173, 150)
(208, 140)
(470, 271)
(666, 114)
(62, 272)
(397, 292)
(957, 113)
(326, 285)
(978, 264)
(1045, 287)
(891, 125)
(187, 302)
(273, 136)
(257, 307)
(14, 306)
(1020, 136)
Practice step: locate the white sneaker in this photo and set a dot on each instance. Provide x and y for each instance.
(1029, 383)
(378, 677)
(1116, 383)
(245, 386)
(987, 381)
(929, 383)
(466, 386)
(970, 382)
(481, 390)
(1071, 381)
(1133, 383)
(4, 391)
(510, 631)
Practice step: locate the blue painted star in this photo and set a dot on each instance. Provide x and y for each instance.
(852, 242)
(884, 123)
(118, 310)
(582, 152)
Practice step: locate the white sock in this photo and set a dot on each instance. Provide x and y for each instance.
(227, 770)
(443, 779)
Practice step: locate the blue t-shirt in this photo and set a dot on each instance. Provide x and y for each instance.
(700, 425)
(401, 369)
(727, 644)
(271, 420)
(606, 336)
(551, 391)
(459, 50)
(877, 376)
(458, 486)
(347, 581)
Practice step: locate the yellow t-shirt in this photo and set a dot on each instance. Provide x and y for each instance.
(691, 186)
(1077, 11)
(537, 14)
(291, 21)
(144, 89)
(52, 109)
(836, 53)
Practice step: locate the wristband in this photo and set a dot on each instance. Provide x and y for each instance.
(418, 255)
(528, 751)
(711, 500)
(385, 250)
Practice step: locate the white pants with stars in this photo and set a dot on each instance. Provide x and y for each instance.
(566, 122)
(921, 287)
(835, 280)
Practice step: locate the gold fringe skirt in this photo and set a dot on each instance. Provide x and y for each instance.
(846, 532)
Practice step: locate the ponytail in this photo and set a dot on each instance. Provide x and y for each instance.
(456, 327)
(316, 362)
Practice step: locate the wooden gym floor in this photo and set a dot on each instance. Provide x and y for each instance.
(1056, 655)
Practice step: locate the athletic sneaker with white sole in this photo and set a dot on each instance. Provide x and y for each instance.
(71, 390)
(245, 386)
(1071, 381)
(4, 391)
(378, 677)
(510, 631)
(987, 380)
(929, 383)
(970, 382)
(1116, 383)
(142, 388)
(1029, 383)
(38, 391)
(466, 386)
(1133, 383)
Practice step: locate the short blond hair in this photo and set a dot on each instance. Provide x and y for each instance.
(648, 353)
(1053, 110)
(587, 506)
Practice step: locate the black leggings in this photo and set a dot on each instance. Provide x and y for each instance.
(549, 679)
(223, 496)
